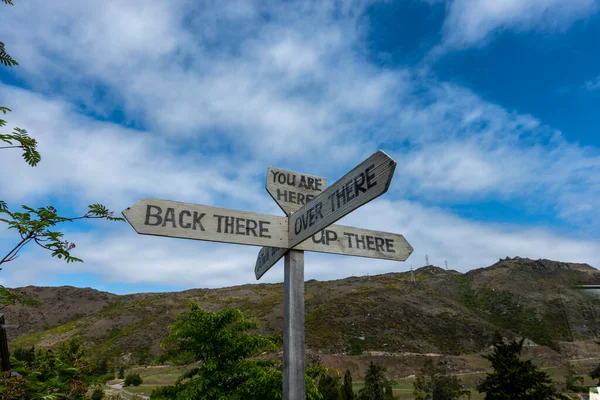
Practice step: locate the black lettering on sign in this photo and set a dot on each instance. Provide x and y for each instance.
(229, 224)
(150, 215)
(219, 218)
(284, 178)
(263, 230)
(360, 239)
(309, 197)
(185, 225)
(301, 198)
(303, 183)
(379, 243)
(370, 181)
(325, 237)
(349, 236)
(309, 218)
(170, 217)
(197, 220)
(370, 242)
(251, 227)
(322, 237)
(318, 183)
(389, 245)
(282, 193)
(281, 178)
(359, 181)
(292, 197)
(331, 236)
(352, 188)
(239, 226)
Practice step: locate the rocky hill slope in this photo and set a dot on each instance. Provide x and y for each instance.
(441, 312)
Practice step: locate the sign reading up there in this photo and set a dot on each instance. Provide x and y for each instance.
(343, 240)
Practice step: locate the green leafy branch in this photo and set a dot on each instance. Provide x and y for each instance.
(34, 225)
(6, 58)
(19, 139)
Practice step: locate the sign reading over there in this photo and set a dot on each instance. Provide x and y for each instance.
(292, 190)
(195, 221)
(368, 180)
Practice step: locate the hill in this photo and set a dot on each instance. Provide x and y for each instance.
(443, 312)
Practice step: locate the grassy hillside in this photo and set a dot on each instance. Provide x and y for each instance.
(442, 312)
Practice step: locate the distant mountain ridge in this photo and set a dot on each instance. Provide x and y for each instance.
(441, 312)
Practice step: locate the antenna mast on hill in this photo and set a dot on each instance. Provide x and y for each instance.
(426, 259)
(412, 274)
(446, 262)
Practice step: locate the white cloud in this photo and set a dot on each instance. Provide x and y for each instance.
(86, 160)
(473, 22)
(592, 85)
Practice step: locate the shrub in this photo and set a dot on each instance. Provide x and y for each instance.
(133, 380)
(97, 394)
(121, 374)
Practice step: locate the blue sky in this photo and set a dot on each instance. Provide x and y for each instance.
(490, 108)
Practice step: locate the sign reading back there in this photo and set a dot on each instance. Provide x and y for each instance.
(292, 190)
(368, 180)
(195, 221)
(345, 240)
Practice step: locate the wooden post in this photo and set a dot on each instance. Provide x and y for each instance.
(293, 326)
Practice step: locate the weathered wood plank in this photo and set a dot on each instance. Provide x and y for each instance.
(293, 326)
(199, 222)
(291, 190)
(366, 181)
(344, 240)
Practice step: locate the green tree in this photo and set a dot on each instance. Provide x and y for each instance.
(229, 368)
(377, 386)
(46, 376)
(133, 380)
(434, 382)
(595, 373)
(35, 225)
(97, 394)
(574, 381)
(330, 385)
(72, 349)
(121, 373)
(513, 378)
(347, 391)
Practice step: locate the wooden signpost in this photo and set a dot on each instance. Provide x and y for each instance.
(310, 209)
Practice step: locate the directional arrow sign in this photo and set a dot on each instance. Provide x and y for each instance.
(345, 240)
(292, 190)
(195, 221)
(368, 180)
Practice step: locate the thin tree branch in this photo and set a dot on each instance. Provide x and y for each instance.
(11, 254)
(11, 147)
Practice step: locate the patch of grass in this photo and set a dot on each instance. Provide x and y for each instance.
(506, 311)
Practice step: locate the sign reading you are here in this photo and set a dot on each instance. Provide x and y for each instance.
(292, 190)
